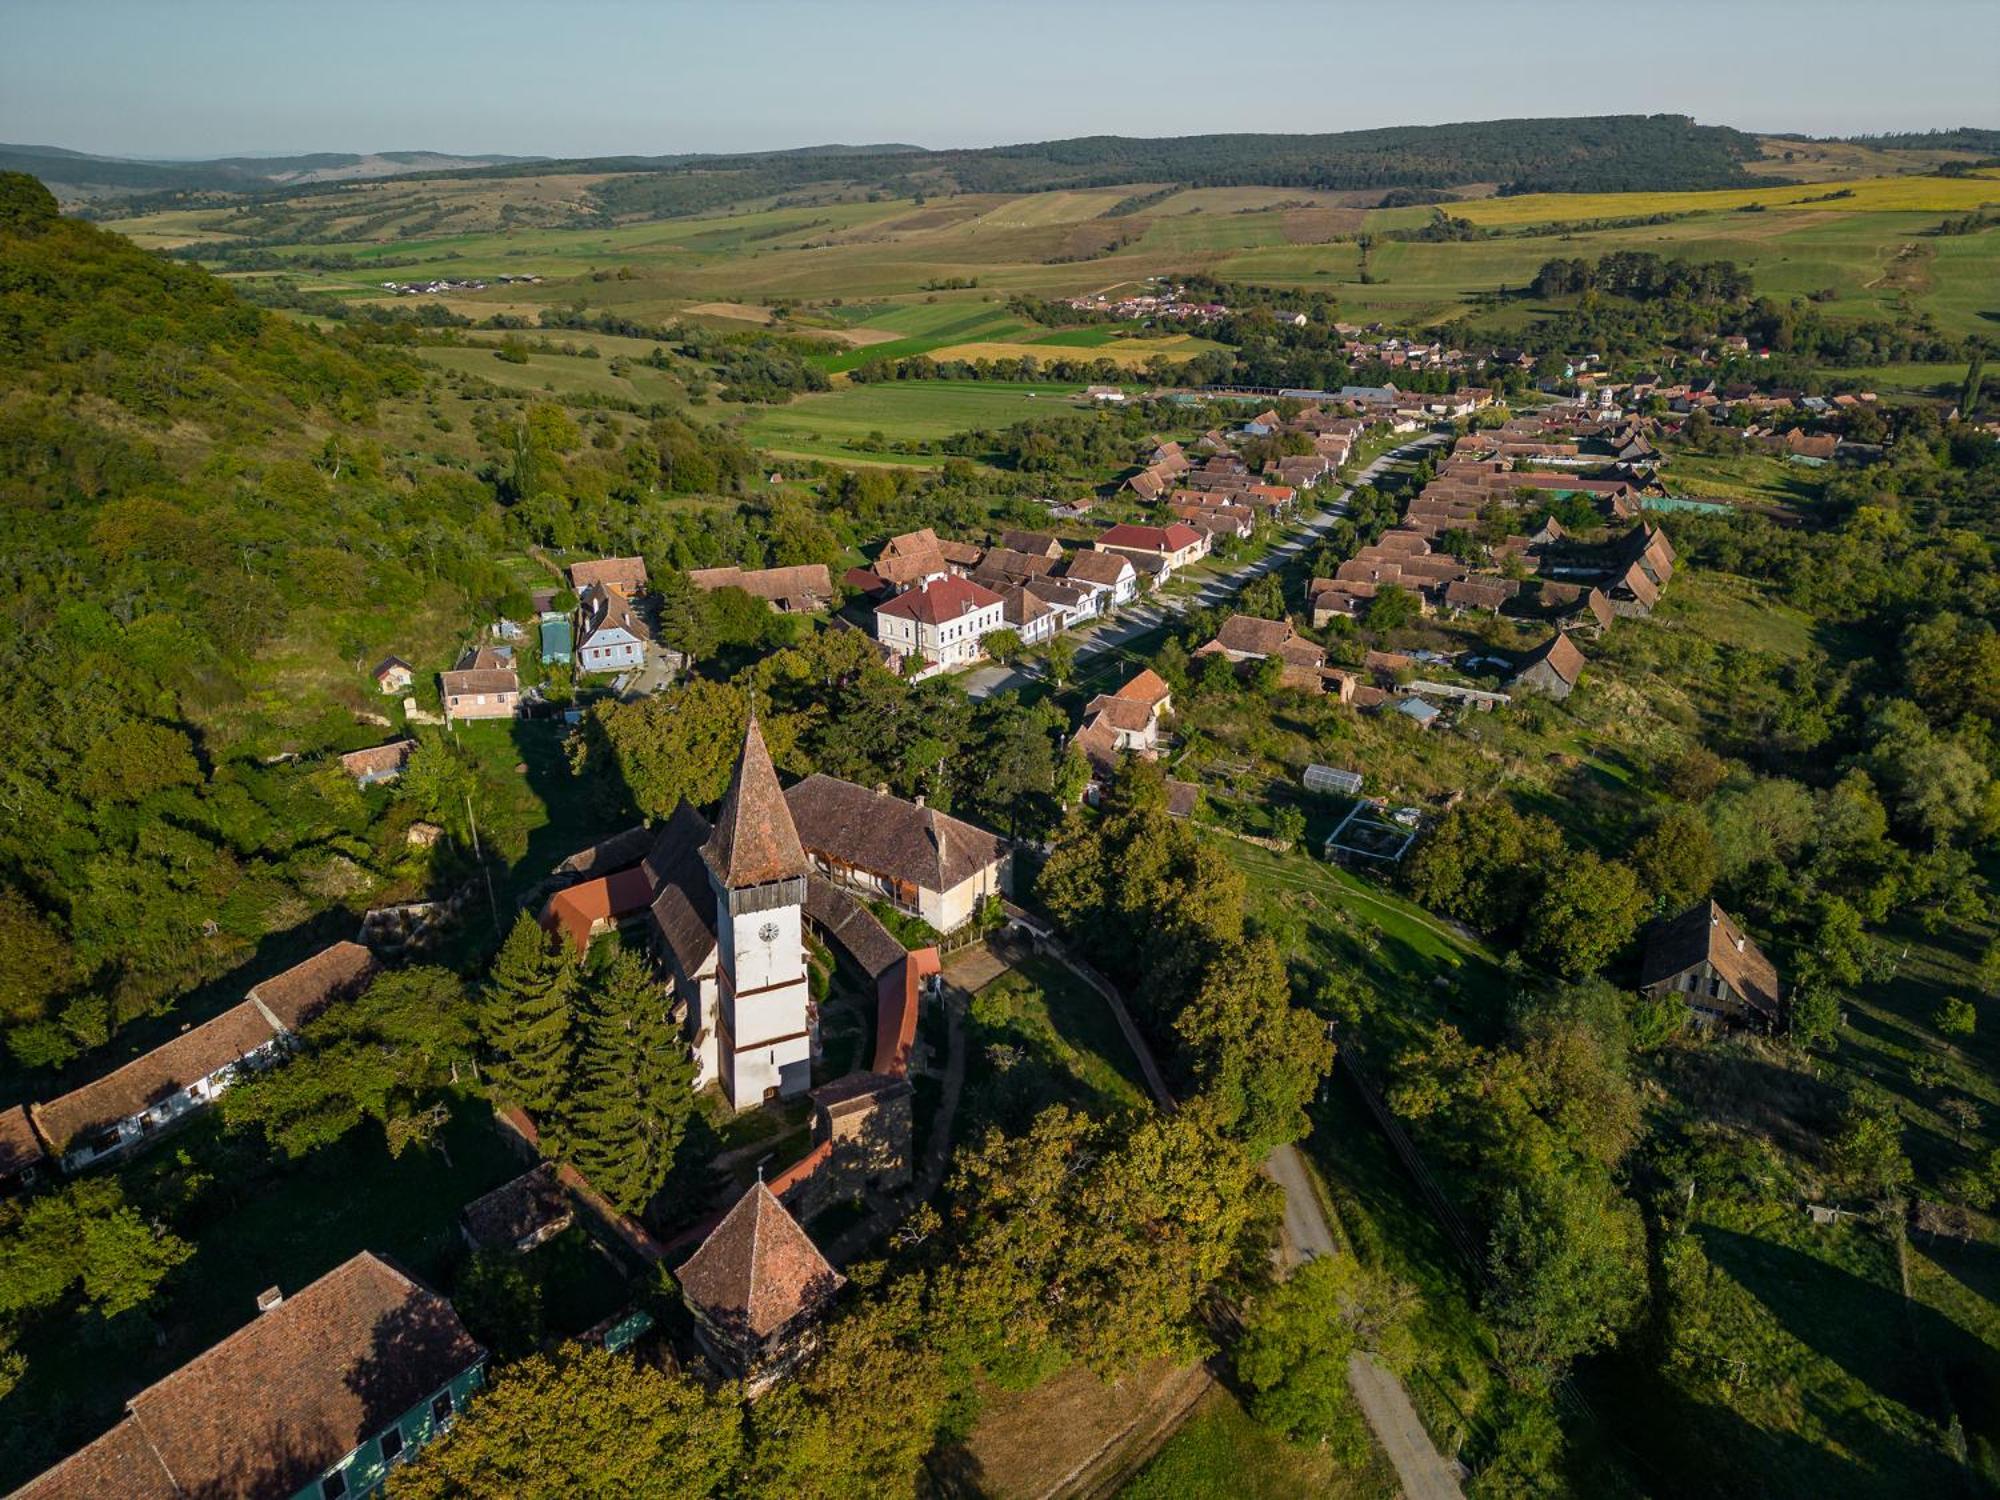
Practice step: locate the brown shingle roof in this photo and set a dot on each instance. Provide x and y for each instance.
(1036, 543)
(378, 760)
(754, 841)
(268, 1408)
(19, 1146)
(121, 1465)
(851, 924)
(803, 581)
(683, 900)
(625, 573)
(1560, 652)
(461, 684)
(1253, 636)
(146, 1080)
(757, 1270)
(887, 836)
(1705, 932)
(1128, 714)
(304, 990)
(1101, 568)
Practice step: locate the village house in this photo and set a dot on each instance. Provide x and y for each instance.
(1109, 575)
(1104, 393)
(755, 1288)
(1703, 957)
(483, 685)
(1553, 667)
(1127, 720)
(945, 621)
(1173, 546)
(910, 560)
(1073, 602)
(21, 1153)
(1033, 544)
(132, 1105)
(1245, 638)
(392, 675)
(316, 1399)
(623, 576)
(805, 588)
(1029, 616)
(378, 763)
(611, 636)
(924, 861)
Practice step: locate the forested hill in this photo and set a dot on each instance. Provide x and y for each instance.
(1599, 154)
(1606, 153)
(177, 514)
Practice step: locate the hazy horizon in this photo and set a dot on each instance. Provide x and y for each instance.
(212, 78)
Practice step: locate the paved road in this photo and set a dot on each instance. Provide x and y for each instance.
(1422, 1470)
(1151, 613)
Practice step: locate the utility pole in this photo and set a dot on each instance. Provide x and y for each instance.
(492, 903)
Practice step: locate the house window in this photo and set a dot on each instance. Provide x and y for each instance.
(334, 1485)
(392, 1444)
(441, 1408)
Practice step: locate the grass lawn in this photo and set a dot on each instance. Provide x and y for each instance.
(254, 1224)
(1328, 919)
(1222, 1454)
(1037, 1035)
(1759, 478)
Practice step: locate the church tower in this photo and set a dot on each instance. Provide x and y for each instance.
(764, 1011)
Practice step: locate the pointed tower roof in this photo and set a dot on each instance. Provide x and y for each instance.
(757, 1270)
(754, 841)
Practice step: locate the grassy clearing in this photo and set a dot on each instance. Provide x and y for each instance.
(1221, 1454)
(840, 424)
(559, 374)
(1868, 194)
(1755, 478)
(1038, 1036)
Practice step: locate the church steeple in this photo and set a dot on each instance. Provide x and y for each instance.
(754, 841)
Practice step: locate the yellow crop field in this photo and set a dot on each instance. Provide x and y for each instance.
(1130, 353)
(1869, 195)
(1037, 210)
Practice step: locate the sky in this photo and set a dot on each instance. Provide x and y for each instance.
(190, 78)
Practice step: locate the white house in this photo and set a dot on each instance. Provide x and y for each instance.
(1174, 545)
(610, 635)
(1109, 575)
(944, 621)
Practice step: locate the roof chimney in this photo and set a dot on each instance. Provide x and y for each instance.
(920, 799)
(269, 1298)
(881, 788)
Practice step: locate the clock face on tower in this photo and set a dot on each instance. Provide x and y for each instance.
(768, 932)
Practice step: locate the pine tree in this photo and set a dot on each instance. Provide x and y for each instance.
(528, 1019)
(634, 1086)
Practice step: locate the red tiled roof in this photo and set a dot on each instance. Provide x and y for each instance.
(1169, 538)
(1149, 687)
(940, 601)
(19, 1146)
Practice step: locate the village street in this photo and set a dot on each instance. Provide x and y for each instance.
(1151, 613)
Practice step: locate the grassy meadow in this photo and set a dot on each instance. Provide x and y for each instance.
(843, 424)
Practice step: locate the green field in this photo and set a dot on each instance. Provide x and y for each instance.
(838, 424)
(562, 374)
